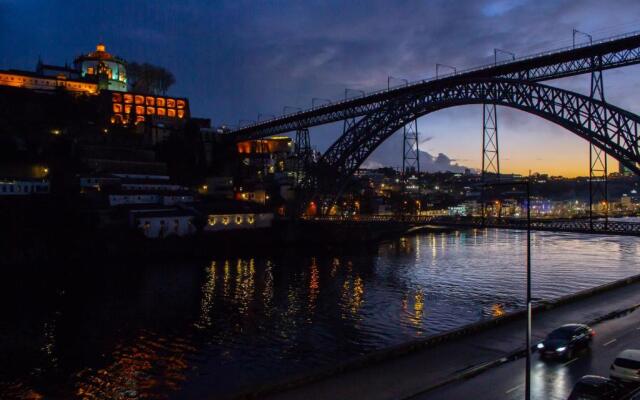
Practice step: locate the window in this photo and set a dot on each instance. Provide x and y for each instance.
(160, 102)
(151, 110)
(128, 98)
(127, 109)
(139, 118)
(139, 99)
(171, 103)
(140, 110)
(162, 111)
(117, 108)
(180, 113)
(238, 219)
(212, 220)
(225, 220)
(150, 101)
(181, 103)
(171, 113)
(116, 98)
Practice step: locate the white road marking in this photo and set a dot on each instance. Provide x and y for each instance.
(569, 362)
(609, 342)
(513, 389)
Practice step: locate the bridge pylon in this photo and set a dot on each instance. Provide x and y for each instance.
(490, 150)
(410, 149)
(598, 189)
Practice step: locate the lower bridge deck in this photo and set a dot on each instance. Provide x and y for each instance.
(599, 226)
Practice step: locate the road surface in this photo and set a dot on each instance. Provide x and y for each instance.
(551, 380)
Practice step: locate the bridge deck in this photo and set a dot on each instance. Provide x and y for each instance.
(566, 225)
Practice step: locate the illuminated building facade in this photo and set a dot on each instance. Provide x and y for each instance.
(104, 75)
(110, 71)
(135, 107)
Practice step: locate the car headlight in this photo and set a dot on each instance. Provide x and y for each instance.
(540, 346)
(561, 349)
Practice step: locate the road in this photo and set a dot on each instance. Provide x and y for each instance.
(551, 380)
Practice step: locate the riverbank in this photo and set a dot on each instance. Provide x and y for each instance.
(416, 367)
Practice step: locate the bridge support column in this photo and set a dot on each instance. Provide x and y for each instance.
(410, 149)
(303, 154)
(598, 196)
(490, 149)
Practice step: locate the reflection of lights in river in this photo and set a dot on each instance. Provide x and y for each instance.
(314, 284)
(208, 291)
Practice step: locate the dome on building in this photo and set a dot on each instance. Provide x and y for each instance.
(110, 70)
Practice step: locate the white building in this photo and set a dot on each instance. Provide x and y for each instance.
(237, 221)
(158, 224)
(23, 187)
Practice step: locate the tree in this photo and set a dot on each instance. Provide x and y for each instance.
(149, 78)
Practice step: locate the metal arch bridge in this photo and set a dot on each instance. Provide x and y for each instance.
(513, 84)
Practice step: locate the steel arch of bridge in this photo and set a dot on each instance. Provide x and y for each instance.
(610, 128)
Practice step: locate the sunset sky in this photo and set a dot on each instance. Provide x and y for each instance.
(236, 59)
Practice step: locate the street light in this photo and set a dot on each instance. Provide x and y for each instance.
(389, 78)
(313, 101)
(438, 66)
(527, 184)
(347, 90)
(577, 32)
(495, 55)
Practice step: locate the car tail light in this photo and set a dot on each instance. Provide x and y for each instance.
(593, 333)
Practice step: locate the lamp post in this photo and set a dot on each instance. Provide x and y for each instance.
(527, 184)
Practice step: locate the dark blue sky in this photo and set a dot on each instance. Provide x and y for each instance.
(236, 59)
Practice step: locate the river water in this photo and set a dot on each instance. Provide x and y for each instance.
(199, 328)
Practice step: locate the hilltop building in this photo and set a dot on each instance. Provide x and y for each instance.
(103, 77)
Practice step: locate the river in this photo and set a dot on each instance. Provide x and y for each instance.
(190, 329)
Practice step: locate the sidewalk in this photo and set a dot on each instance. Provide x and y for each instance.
(461, 354)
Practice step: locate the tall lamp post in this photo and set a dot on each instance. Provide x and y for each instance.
(527, 184)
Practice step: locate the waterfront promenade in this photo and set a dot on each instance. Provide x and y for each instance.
(407, 371)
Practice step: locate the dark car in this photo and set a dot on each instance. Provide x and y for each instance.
(565, 341)
(592, 387)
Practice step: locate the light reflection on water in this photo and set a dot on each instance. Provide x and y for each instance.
(202, 328)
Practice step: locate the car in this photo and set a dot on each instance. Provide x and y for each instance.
(626, 366)
(593, 387)
(565, 341)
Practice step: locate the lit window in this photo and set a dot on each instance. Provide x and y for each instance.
(128, 98)
(139, 110)
(212, 220)
(151, 101)
(171, 103)
(139, 99)
(238, 219)
(171, 113)
(117, 98)
(151, 110)
(139, 118)
(90, 71)
(127, 109)
(162, 111)
(117, 108)
(225, 220)
(160, 102)
(180, 113)
(250, 219)
(181, 103)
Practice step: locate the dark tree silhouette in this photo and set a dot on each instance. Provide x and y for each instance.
(149, 78)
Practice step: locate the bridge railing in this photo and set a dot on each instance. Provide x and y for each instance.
(564, 225)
